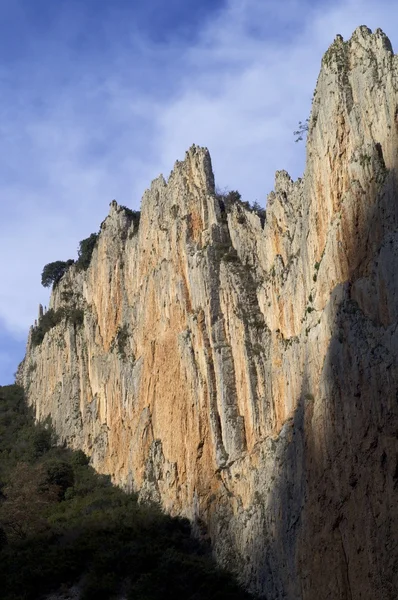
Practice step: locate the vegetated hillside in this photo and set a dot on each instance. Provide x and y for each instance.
(63, 524)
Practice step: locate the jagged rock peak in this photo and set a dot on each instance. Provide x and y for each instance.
(114, 207)
(189, 192)
(283, 182)
(368, 39)
(363, 43)
(197, 167)
(117, 220)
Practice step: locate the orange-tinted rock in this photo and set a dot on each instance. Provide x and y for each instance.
(247, 377)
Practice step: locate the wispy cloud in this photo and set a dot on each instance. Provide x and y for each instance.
(86, 117)
(247, 84)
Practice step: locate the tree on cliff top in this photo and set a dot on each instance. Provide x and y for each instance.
(53, 272)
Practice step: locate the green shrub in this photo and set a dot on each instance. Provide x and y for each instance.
(228, 199)
(364, 160)
(52, 318)
(85, 252)
(120, 341)
(53, 272)
(79, 458)
(133, 215)
(74, 315)
(49, 320)
(260, 212)
(60, 474)
(232, 198)
(41, 440)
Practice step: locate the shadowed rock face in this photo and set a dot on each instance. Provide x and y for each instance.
(247, 377)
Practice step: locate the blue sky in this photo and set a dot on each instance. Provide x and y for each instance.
(100, 96)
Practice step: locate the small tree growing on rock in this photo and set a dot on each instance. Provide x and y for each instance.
(302, 130)
(53, 272)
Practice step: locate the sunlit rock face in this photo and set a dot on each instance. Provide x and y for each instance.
(246, 376)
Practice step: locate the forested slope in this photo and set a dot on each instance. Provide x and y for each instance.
(63, 525)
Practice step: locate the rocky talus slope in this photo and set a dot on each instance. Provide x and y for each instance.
(246, 376)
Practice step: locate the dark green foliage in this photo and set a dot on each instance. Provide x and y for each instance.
(260, 212)
(233, 197)
(73, 315)
(42, 440)
(79, 458)
(85, 252)
(52, 318)
(122, 336)
(53, 272)
(61, 523)
(19, 441)
(229, 199)
(364, 160)
(61, 474)
(133, 215)
(49, 320)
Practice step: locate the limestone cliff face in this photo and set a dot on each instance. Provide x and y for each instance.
(247, 376)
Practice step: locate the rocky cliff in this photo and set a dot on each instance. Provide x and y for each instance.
(245, 374)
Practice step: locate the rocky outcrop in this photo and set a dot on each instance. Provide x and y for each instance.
(246, 374)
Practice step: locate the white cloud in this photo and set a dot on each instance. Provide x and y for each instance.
(246, 107)
(240, 89)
